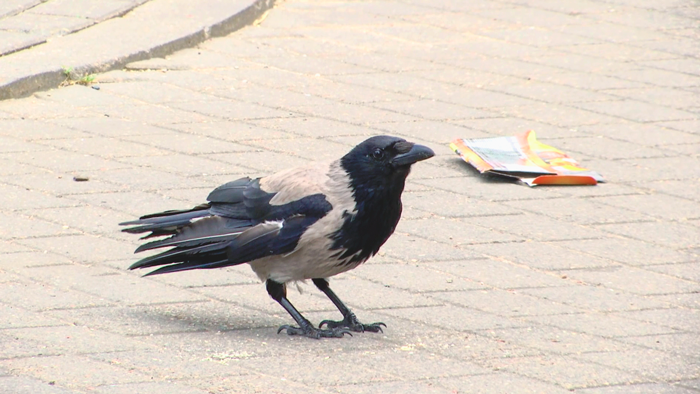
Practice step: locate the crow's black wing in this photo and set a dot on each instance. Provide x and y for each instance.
(238, 225)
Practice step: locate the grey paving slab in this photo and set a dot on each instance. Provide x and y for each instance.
(650, 363)
(148, 388)
(635, 280)
(487, 286)
(556, 340)
(638, 389)
(500, 382)
(26, 73)
(72, 372)
(24, 385)
(566, 372)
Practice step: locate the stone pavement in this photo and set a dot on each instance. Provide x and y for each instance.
(486, 287)
(26, 23)
(46, 43)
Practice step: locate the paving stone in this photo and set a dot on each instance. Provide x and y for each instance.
(164, 365)
(584, 211)
(541, 255)
(550, 92)
(687, 300)
(563, 371)
(184, 165)
(692, 384)
(504, 303)
(636, 253)
(607, 326)
(634, 280)
(47, 25)
(608, 148)
(593, 81)
(417, 363)
(555, 340)
(65, 161)
(34, 108)
(74, 339)
(83, 96)
(408, 248)
(546, 229)
(636, 111)
(18, 317)
(679, 343)
(497, 300)
(657, 169)
(648, 363)
(413, 277)
(675, 235)
(21, 198)
(9, 247)
(81, 248)
(87, 219)
(24, 226)
(498, 274)
(264, 163)
(666, 96)
(648, 134)
(487, 189)
(58, 184)
(412, 336)
(10, 168)
(451, 231)
(24, 385)
(451, 205)
(154, 114)
(30, 258)
(434, 110)
(392, 388)
(644, 388)
(255, 297)
(110, 285)
(681, 319)
(383, 296)
(149, 388)
(685, 271)
(107, 127)
(661, 206)
(596, 298)
(454, 318)
(317, 370)
(73, 372)
(500, 383)
(107, 147)
(44, 297)
(308, 148)
(253, 383)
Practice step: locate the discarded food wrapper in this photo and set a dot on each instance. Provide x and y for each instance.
(524, 158)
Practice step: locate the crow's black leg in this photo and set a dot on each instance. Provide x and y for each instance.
(278, 292)
(349, 319)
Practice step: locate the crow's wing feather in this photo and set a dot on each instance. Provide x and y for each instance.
(248, 245)
(230, 193)
(207, 230)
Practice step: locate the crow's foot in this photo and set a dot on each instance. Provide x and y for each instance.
(316, 333)
(350, 322)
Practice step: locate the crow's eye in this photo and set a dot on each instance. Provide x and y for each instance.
(378, 154)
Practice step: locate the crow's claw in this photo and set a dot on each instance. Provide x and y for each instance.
(316, 333)
(350, 322)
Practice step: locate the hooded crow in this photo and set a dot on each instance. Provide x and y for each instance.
(309, 222)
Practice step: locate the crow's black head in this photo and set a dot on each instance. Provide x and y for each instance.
(377, 168)
(382, 163)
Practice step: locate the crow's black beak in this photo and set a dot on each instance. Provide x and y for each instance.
(416, 154)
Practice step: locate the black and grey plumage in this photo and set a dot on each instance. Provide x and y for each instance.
(309, 222)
